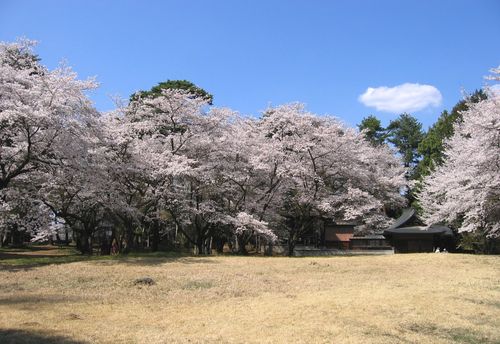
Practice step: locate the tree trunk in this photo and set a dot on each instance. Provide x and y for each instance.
(199, 246)
(83, 246)
(16, 237)
(129, 239)
(105, 245)
(129, 242)
(242, 243)
(155, 237)
(208, 246)
(291, 247)
(269, 249)
(91, 243)
(219, 245)
(4, 238)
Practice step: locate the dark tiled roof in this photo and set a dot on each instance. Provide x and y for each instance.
(372, 236)
(434, 229)
(405, 217)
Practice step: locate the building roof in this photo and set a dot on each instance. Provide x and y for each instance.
(433, 229)
(404, 218)
(446, 230)
(398, 226)
(339, 237)
(370, 236)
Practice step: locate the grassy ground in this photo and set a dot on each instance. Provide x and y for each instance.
(415, 298)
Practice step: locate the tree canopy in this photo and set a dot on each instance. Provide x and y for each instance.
(463, 190)
(185, 85)
(168, 166)
(405, 133)
(431, 148)
(373, 130)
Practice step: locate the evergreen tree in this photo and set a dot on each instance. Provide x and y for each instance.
(188, 86)
(406, 133)
(432, 146)
(374, 132)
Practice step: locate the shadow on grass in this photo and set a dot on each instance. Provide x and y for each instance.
(14, 255)
(15, 260)
(31, 262)
(456, 335)
(37, 248)
(35, 300)
(152, 261)
(489, 303)
(16, 336)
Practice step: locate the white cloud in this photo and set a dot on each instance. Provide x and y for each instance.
(402, 98)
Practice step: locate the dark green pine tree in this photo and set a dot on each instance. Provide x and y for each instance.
(374, 132)
(432, 146)
(174, 84)
(405, 133)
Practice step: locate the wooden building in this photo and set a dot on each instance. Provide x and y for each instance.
(331, 235)
(406, 237)
(328, 234)
(369, 242)
(337, 235)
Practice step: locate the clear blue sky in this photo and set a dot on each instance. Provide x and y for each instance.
(253, 53)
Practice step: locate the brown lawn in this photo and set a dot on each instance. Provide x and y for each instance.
(415, 298)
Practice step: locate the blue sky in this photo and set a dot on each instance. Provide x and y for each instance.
(250, 54)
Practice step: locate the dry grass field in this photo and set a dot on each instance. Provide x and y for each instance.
(415, 298)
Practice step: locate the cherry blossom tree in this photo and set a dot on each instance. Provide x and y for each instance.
(167, 161)
(170, 131)
(326, 171)
(127, 179)
(40, 111)
(245, 185)
(44, 117)
(465, 190)
(218, 174)
(22, 215)
(197, 166)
